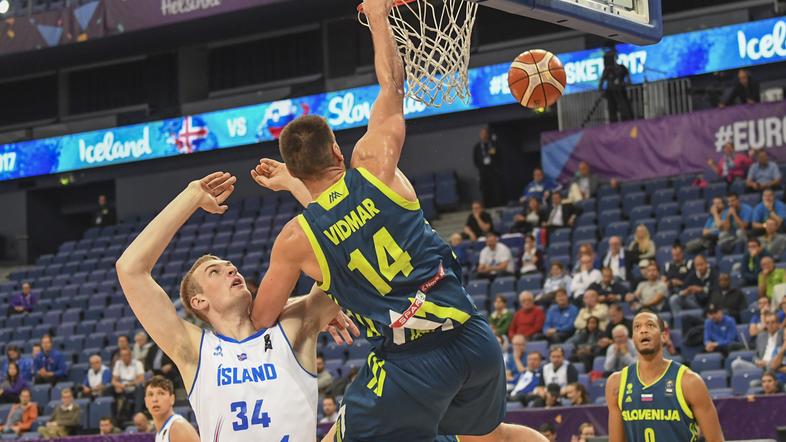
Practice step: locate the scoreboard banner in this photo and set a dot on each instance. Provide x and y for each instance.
(675, 56)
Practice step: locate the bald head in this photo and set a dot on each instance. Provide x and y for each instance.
(526, 300)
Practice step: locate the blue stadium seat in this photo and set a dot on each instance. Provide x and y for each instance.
(692, 207)
(359, 349)
(669, 223)
(617, 228)
(632, 200)
(706, 361)
(587, 233)
(560, 235)
(662, 196)
(333, 351)
(715, 378)
(55, 392)
(40, 393)
(728, 261)
(751, 199)
(746, 355)
(714, 190)
(640, 212)
(627, 188)
(510, 299)
(541, 347)
(667, 209)
(720, 393)
(740, 381)
(481, 301)
(558, 248)
(586, 219)
(751, 294)
(608, 203)
(690, 234)
(478, 287)
(532, 282)
(502, 284)
(609, 216)
(598, 362)
(605, 190)
(666, 238)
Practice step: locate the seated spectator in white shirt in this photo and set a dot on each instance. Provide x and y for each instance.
(98, 379)
(586, 275)
(128, 377)
(558, 370)
(557, 279)
(495, 259)
(615, 259)
(650, 293)
(767, 346)
(141, 347)
(592, 308)
(621, 353)
(772, 241)
(531, 258)
(329, 410)
(560, 215)
(756, 324)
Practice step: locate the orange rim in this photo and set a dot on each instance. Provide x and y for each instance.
(396, 4)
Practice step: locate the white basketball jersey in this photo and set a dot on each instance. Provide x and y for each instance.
(253, 390)
(162, 435)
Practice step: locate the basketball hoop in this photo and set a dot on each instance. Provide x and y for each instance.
(433, 37)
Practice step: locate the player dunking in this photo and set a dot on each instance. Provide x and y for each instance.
(436, 367)
(159, 400)
(658, 399)
(245, 384)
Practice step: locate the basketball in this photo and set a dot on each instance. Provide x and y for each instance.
(536, 78)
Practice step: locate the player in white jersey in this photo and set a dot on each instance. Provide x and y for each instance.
(159, 400)
(244, 384)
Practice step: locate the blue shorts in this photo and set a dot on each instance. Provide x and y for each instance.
(456, 388)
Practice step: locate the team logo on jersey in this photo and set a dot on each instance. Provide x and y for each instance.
(218, 352)
(669, 387)
(334, 195)
(268, 343)
(647, 397)
(242, 357)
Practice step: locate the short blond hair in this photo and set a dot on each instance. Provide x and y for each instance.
(190, 288)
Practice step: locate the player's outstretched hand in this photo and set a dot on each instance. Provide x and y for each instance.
(272, 174)
(213, 190)
(341, 328)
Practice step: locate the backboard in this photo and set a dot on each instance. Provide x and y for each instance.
(631, 21)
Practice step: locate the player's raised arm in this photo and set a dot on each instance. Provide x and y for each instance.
(700, 402)
(380, 148)
(150, 303)
(616, 426)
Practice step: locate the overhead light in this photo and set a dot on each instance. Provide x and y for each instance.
(5, 5)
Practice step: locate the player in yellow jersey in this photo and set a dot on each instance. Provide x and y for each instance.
(656, 399)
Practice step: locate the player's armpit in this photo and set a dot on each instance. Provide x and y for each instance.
(616, 425)
(700, 403)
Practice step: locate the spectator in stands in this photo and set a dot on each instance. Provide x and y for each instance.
(616, 317)
(720, 331)
(104, 214)
(676, 271)
(560, 214)
(609, 290)
(539, 188)
(712, 229)
(750, 265)
(557, 279)
(736, 221)
(501, 317)
(558, 370)
(36, 351)
(98, 378)
(486, 158)
(641, 250)
(728, 298)
(560, 318)
(731, 165)
(577, 394)
(553, 393)
(531, 217)
(746, 90)
(50, 365)
(585, 249)
(768, 208)
(128, 378)
(531, 258)
(329, 410)
(162, 365)
(12, 385)
(122, 344)
(495, 259)
(107, 426)
(25, 365)
(586, 275)
(340, 386)
(651, 293)
(767, 345)
(698, 286)
(460, 249)
(529, 380)
(21, 416)
(586, 430)
(584, 184)
(763, 174)
(586, 341)
(142, 424)
(592, 307)
(615, 259)
(479, 222)
(24, 301)
(324, 377)
(141, 347)
(777, 366)
(770, 384)
(772, 241)
(529, 319)
(621, 353)
(516, 364)
(770, 277)
(66, 419)
(756, 324)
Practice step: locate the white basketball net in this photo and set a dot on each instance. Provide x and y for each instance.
(433, 37)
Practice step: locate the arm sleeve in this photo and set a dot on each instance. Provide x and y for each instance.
(548, 323)
(61, 369)
(106, 379)
(608, 364)
(540, 319)
(707, 333)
